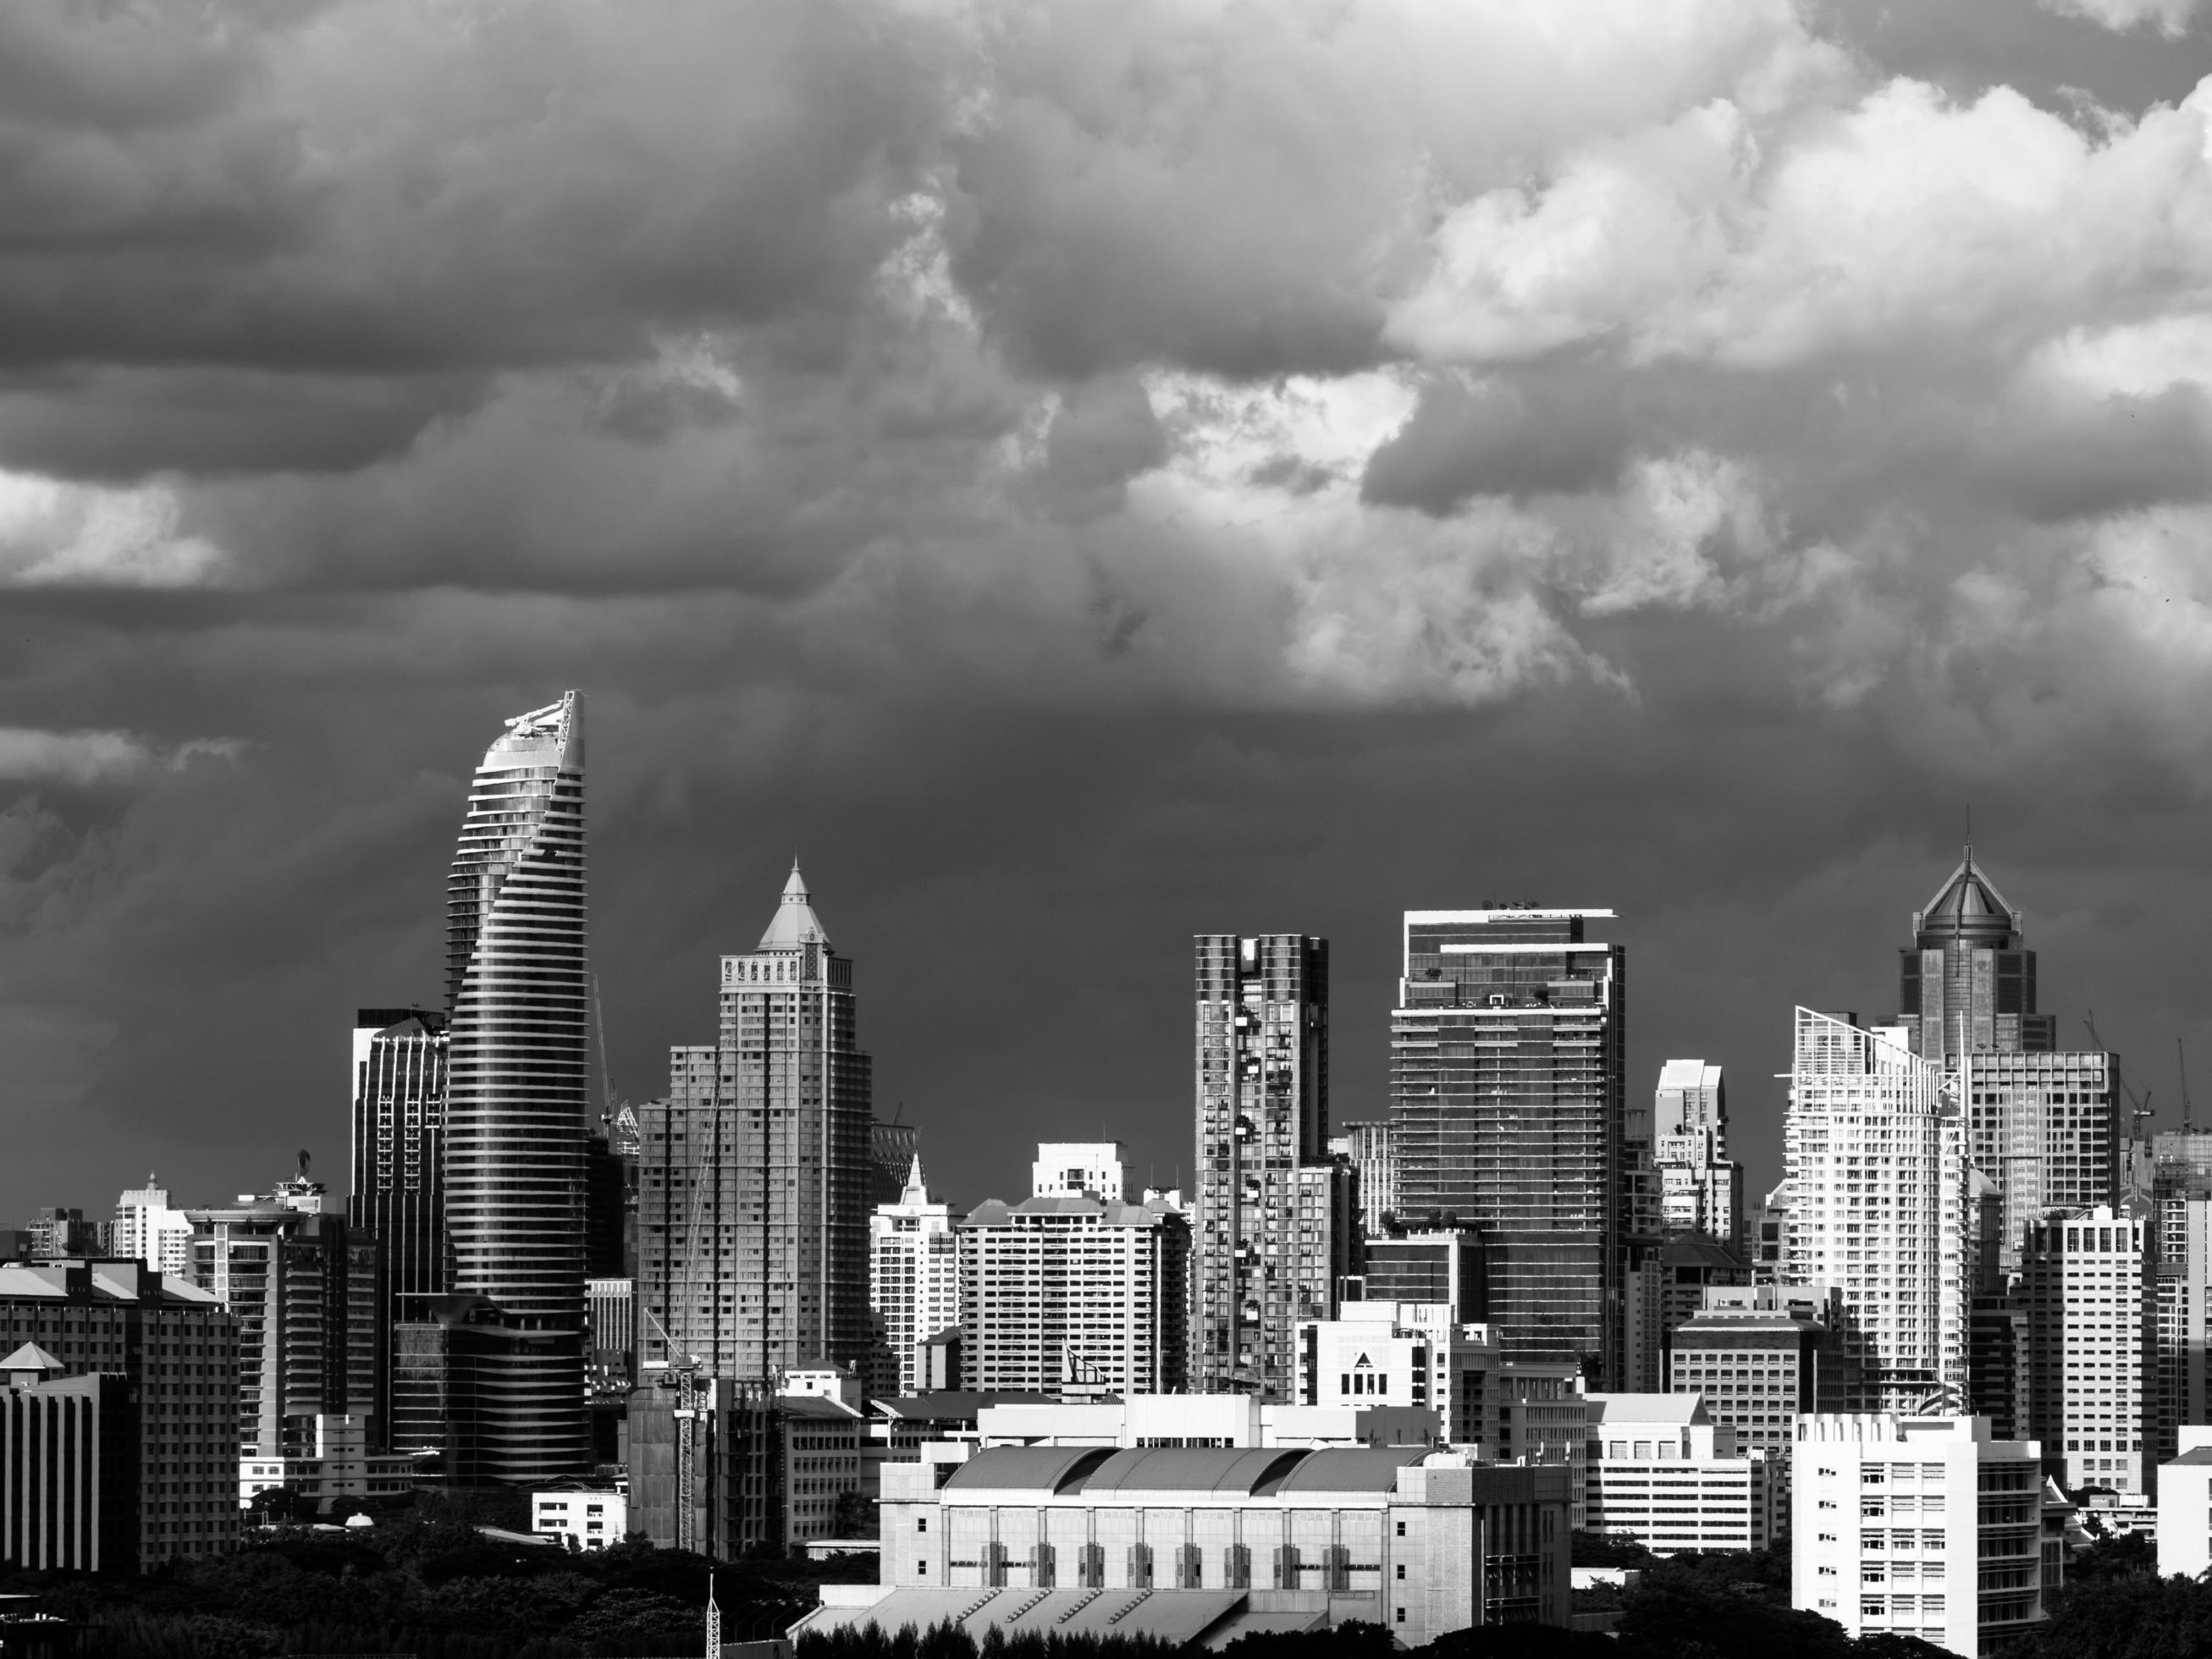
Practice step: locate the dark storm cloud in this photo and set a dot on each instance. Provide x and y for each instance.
(1082, 475)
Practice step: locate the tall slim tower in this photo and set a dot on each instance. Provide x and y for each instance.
(1507, 1088)
(517, 1071)
(1262, 1036)
(1876, 1153)
(398, 1175)
(758, 1170)
(1967, 982)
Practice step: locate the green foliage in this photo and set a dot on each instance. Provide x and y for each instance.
(1598, 1549)
(2134, 1556)
(2124, 1615)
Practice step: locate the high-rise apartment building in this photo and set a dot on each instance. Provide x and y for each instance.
(176, 1348)
(1506, 1065)
(1876, 1159)
(1081, 1169)
(755, 1174)
(913, 1275)
(148, 1227)
(1263, 1063)
(2181, 1209)
(1760, 1355)
(2087, 1285)
(1444, 1267)
(1075, 1296)
(303, 1293)
(1923, 1526)
(398, 1190)
(517, 1084)
(2044, 1127)
(1700, 1187)
(1368, 1148)
(1967, 981)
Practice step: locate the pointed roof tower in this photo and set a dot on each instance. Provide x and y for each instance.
(1967, 907)
(916, 1191)
(795, 923)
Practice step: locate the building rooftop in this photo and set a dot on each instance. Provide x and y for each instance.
(1648, 1408)
(1176, 1617)
(1238, 1471)
(948, 1404)
(794, 923)
(1352, 1468)
(1968, 906)
(1028, 1468)
(106, 1280)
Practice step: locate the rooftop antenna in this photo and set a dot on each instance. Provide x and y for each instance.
(2181, 1058)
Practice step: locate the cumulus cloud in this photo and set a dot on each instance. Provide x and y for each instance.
(2170, 18)
(89, 758)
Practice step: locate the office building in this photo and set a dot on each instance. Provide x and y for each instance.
(2045, 1127)
(1440, 1267)
(1877, 1171)
(54, 1232)
(148, 1227)
(2185, 1505)
(1966, 983)
(518, 1069)
(1700, 1186)
(1027, 1537)
(1998, 1369)
(333, 1468)
(610, 1370)
(1928, 1527)
(755, 1174)
(1508, 1104)
(1262, 1119)
(610, 1195)
(1766, 1230)
(2180, 1199)
(1408, 1354)
(2087, 1289)
(1759, 1358)
(1661, 1473)
(176, 1348)
(1073, 1295)
(913, 1275)
(398, 1087)
(67, 1482)
(1368, 1148)
(301, 1290)
(582, 1516)
(1667, 1285)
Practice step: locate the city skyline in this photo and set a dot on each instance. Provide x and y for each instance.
(1282, 571)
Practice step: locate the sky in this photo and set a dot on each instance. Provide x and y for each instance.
(1078, 476)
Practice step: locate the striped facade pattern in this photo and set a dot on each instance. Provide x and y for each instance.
(53, 1448)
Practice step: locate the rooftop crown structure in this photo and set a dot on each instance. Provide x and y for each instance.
(1967, 982)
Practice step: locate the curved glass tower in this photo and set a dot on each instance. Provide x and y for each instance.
(517, 1079)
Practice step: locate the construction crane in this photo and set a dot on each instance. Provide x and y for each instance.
(2139, 1110)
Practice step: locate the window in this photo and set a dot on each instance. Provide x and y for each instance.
(1402, 1615)
(1402, 1570)
(921, 1523)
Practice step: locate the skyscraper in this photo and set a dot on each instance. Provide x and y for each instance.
(398, 1194)
(518, 1070)
(1262, 1063)
(1876, 1153)
(2044, 1127)
(1506, 1078)
(913, 1275)
(1700, 1187)
(1368, 1148)
(757, 1173)
(1967, 981)
(2087, 1281)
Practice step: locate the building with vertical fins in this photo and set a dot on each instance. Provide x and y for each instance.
(398, 1192)
(1876, 1152)
(1967, 981)
(1262, 1118)
(1507, 1091)
(756, 1173)
(518, 1083)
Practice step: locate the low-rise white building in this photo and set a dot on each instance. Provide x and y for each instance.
(1924, 1526)
(2185, 1505)
(1662, 1473)
(591, 1517)
(1204, 1543)
(341, 1467)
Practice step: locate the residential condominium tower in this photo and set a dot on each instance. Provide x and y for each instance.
(2085, 1281)
(1876, 1158)
(913, 1275)
(1506, 1079)
(1700, 1187)
(2044, 1127)
(517, 1063)
(756, 1173)
(1967, 981)
(1263, 1063)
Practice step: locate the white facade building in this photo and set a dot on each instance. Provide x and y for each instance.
(913, 1275)
(1081, 1169)
(1400, 1353)
(2185, 1506)
(149, 1231)
(2087, 1283)
(1660, 1471)
(1371, 1149)
(589, 1517)
(1923, 1527)
(1877, 1175)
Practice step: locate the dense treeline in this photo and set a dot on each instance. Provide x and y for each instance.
(428, 1583)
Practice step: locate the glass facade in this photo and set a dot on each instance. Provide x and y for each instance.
(1506, 1079)
(518, 1068)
